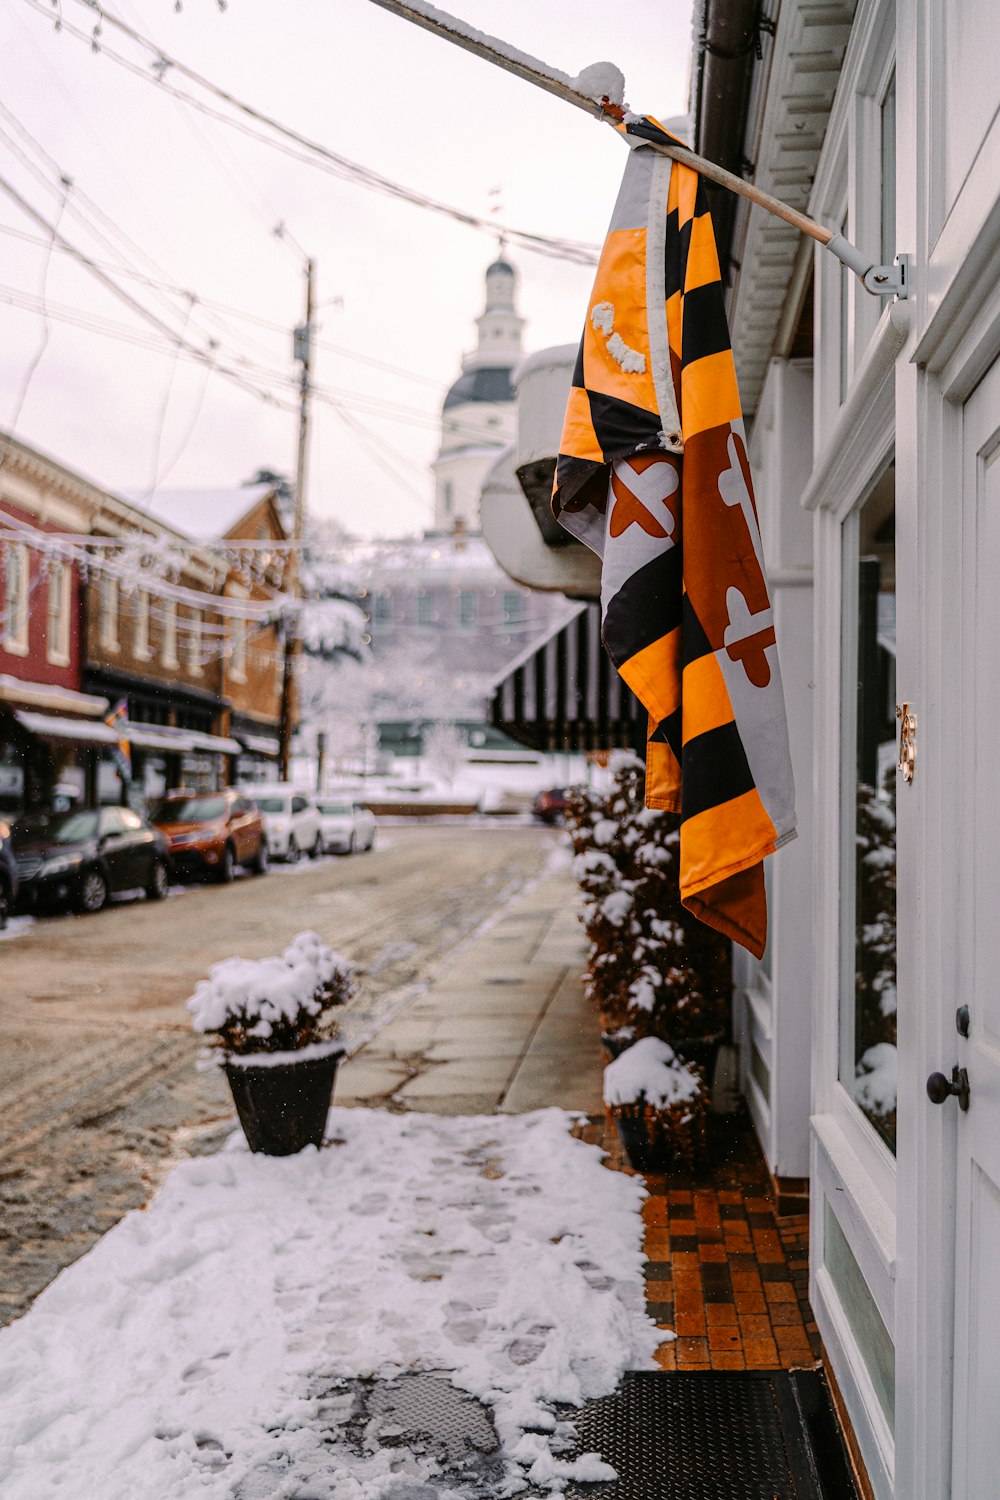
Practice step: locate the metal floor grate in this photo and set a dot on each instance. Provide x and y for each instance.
(707, 1435)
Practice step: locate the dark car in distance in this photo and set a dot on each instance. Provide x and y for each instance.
(8, 874)
(210, 833)
(81, 857)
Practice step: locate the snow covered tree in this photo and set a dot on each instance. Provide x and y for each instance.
(444, 751)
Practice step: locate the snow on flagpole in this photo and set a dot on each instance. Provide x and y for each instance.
(599, 90)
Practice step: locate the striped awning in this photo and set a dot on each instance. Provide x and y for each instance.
(566, 695)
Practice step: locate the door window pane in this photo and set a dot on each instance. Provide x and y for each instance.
(868, 877)
(888, 155)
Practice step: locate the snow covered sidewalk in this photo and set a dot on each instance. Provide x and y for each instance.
(207, 1346)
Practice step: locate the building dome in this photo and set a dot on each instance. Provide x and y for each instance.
(485, 383)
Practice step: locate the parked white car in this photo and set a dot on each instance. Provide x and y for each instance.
(348, 827)
(292, 821)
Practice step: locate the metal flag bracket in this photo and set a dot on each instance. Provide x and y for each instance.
(881, 281)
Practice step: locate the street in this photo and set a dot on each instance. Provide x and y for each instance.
(99, 1090)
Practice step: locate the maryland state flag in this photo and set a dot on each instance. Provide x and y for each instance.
(117, 719)
(653, 476)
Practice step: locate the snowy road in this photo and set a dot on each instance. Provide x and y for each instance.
(99, 1095)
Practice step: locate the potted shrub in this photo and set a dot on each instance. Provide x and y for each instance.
(273, 1033)
(653, 969)
(658, 1103)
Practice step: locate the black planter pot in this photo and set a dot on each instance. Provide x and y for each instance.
(702, 1051)
(283, 1108)
(648, 1150)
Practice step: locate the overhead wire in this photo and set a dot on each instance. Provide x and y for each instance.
(316, 153)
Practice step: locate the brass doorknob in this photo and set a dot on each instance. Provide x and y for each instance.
(940, 1088)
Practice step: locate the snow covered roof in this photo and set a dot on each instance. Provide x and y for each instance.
(203, 515)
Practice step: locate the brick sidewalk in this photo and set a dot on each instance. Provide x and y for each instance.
(724, 1271)
(505, 1029)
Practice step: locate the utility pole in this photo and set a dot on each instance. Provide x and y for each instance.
(303, 356)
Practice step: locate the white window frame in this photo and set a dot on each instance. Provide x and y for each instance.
(17, 587)
(109, 613)
(238, 650)
(57, 621)
(854, 437)
(140, 644)
(848, 192)
(168, 634)
(193, 646)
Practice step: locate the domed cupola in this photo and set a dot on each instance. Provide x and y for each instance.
(479, 408)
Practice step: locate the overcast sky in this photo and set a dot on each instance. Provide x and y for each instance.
(202, 201)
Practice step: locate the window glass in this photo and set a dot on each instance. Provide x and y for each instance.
(15, 613)
(426, 612)
(57, 622)
(188, 810)
(194, 642)
(238, 647)
(383, 609)
(58, 828)
(109, 612)
(271, 804)
(168, 652)
(512, 607)
(468, 607)
(887, 124)
(141, 646)
(844, 315)
(131, 820)
(112, 820)
(868, 980)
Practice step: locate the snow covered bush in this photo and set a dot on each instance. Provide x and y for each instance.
(654, 969)
(273, 1004)
(663, 1099)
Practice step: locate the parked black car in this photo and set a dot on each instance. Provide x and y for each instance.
(81, 857)
(8, 875)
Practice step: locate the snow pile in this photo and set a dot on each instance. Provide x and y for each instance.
(260, 1004)
(197, 1349)
(601, 80)
(650, 1070)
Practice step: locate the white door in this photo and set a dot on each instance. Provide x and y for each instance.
(976, 1409)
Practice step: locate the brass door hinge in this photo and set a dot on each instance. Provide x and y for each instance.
(907, 763)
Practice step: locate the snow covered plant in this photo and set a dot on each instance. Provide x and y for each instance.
(651, 1089)
(653, 970)
(273, 1004)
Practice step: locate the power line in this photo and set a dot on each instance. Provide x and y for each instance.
(106, 231)
(123, 296)
(577, 251)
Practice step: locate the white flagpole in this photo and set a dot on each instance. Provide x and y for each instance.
(881, 281)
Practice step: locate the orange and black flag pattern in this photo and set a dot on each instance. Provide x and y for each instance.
(653, 475)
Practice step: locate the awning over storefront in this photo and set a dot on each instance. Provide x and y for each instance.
(56, 727)
(260, 744)
(179, 741)
(49, 698)
(146, 736)
(566, 695)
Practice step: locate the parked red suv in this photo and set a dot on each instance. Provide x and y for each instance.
(210, 833)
